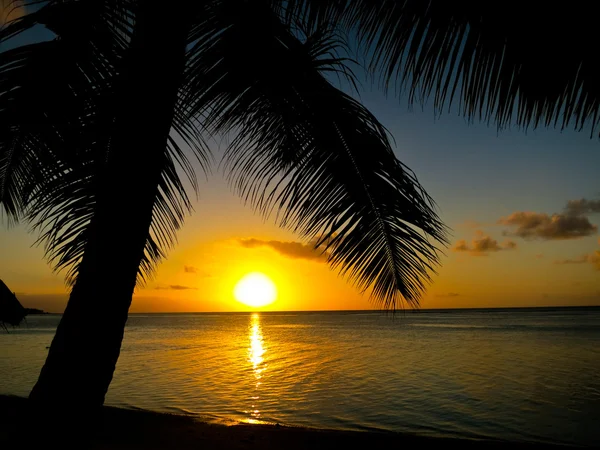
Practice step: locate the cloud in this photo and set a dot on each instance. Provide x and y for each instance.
(195, 271)
(174, 287)
(591, 258)
(573, 223)
(483, 244)
(582, 207)
(594, 259)
(532, 225)
(580, 260)
(290, 249)
(461, 246)
(10, 10)
(449, 294)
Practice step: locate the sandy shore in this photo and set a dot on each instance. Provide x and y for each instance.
(118, 428)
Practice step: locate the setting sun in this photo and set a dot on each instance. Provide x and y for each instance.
(256, 290)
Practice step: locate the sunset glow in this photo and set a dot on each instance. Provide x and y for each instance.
(255, 290)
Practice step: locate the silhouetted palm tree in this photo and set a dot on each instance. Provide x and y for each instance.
(522, 63)
(89, 155)
(87, 148)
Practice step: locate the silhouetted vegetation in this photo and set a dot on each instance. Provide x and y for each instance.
(96, 123)
(11, 310)
(34, 311)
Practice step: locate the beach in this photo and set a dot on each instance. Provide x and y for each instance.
(117, 428)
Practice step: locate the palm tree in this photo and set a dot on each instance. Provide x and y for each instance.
(88, 155)
(87, 150)
(523, 63)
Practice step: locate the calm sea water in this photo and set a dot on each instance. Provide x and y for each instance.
(527, 375)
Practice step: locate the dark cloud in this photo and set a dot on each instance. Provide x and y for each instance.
(461, 246)
(449, 294)
(194, 270)
(532, 225)
(483, 244)
(582, 207)
(573, 223)
(174, 287)
(290, 249)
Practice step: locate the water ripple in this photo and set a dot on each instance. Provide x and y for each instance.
(530, 376)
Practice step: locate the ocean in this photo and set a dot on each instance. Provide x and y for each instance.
(513, 374)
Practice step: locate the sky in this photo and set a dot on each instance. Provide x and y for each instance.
(523, 207)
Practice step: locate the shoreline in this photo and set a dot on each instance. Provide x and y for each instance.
(126, 429)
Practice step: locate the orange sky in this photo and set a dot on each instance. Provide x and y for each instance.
(523, 207)
(224, 240)
(521, 235)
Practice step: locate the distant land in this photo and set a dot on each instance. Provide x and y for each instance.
(35, 311)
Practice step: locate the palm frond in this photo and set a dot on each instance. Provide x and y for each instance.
(520, 63)
(315, 155)
(45, 89)
(57, 109)
(25, 104)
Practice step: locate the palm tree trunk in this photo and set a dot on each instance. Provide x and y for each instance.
(85, 349)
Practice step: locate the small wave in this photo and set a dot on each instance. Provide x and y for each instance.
(515, 375)
(449, 325)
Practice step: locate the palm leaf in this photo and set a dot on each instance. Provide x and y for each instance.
(519, 63)
(59, 102)
(46, 90)
(314, 154)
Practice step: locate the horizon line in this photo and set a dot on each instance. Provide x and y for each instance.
(383, 311)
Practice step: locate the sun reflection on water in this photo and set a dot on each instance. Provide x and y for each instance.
(255, 357)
